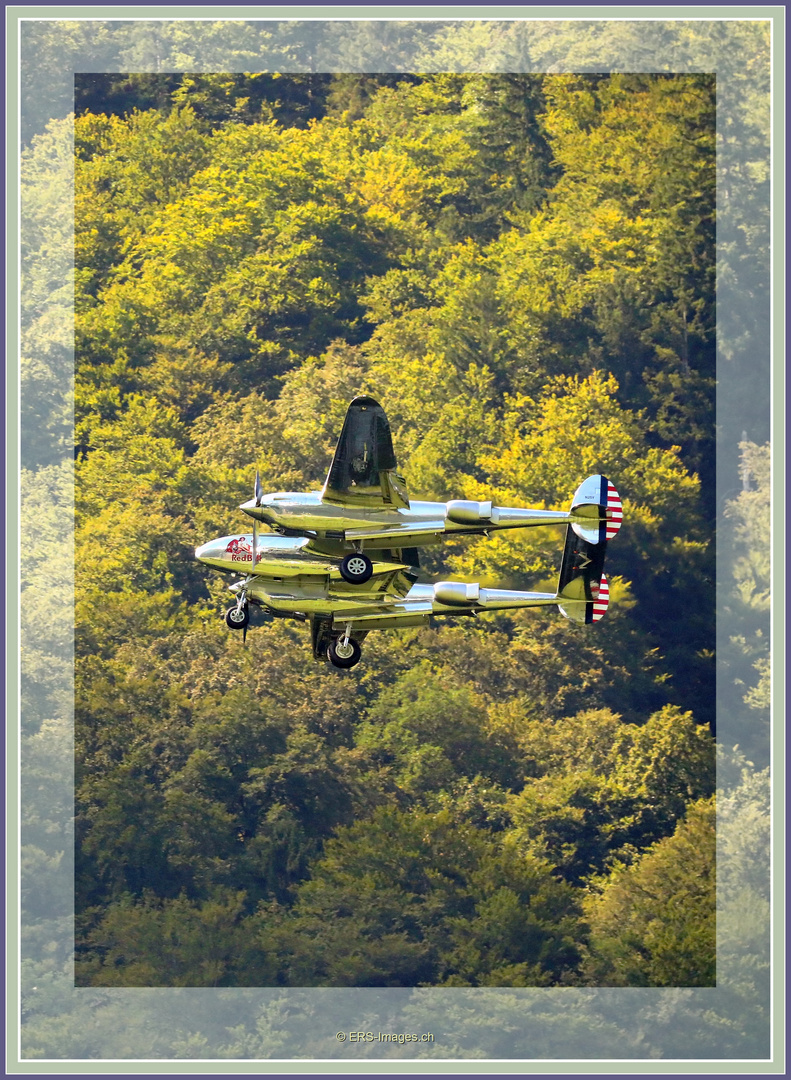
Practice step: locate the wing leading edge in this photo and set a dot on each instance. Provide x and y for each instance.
(363, 470)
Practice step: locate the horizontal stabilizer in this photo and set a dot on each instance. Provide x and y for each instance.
(596, 512)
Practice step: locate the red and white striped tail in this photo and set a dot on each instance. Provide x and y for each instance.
(602, 600)
(614, 513)
(596, 511)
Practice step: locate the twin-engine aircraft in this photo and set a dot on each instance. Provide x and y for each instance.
(345, 558)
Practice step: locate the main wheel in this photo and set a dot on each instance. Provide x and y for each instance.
(237, 618)
(344, 655)
(356, 568)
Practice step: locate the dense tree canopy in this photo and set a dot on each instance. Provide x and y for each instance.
(520, 268)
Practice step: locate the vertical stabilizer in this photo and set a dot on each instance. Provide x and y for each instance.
(596, 511)
(583, 593)
(363, 470)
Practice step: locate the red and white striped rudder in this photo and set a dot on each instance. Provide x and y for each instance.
(602, 600)
(614, 511)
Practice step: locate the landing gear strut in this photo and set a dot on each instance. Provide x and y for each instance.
(238, 616)
(344, 652)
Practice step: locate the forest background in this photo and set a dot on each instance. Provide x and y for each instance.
(521, 268)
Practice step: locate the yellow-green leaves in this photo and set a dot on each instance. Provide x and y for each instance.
(576, 428)
(520, 268)
(653, 922)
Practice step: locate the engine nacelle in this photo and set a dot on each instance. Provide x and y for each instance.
(457, 592)
(464, 512)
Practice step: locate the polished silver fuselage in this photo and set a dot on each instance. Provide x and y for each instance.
(386, 527)
(288, 578)
(276, 557)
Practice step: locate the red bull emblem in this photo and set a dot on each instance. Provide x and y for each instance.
(240, 550)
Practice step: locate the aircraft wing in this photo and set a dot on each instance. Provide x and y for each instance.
(383, 616)
(363, 470)
(398, 535)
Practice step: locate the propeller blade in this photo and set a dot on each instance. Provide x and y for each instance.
(258, 491)
(244, 636)
(255, 543)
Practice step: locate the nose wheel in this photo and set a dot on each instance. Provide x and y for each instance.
(344, 652)
(238, 616)
(356, 568)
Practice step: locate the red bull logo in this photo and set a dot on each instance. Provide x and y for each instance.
(240, 550)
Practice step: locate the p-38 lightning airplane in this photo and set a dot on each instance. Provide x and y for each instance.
(345, 558)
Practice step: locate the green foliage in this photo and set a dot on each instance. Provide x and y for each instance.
(603, 785)
(46, 342)
(172, 943)
(520, 268)
(405, 899)
(653, 923)
(750, 513)
(425, 731)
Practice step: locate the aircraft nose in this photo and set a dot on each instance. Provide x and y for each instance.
(260, 513)
(205, 551)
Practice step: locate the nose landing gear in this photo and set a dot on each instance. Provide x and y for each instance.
(238, 616)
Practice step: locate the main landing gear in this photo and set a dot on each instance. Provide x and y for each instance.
(356, 568)
(344, 652)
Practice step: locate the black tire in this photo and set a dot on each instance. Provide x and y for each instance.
(237, 620)
(356, 568)
(344, 661)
